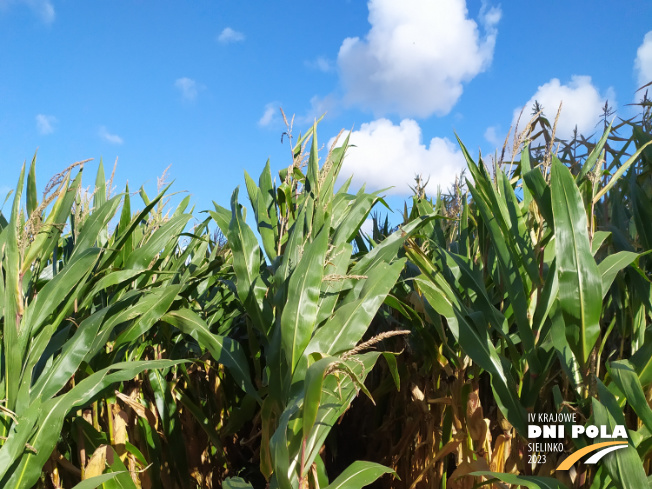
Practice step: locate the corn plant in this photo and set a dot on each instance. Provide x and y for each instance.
(492, 338)
(138, 352)
(92, 308)
(309, 302)
(519, 281)
(55, 319)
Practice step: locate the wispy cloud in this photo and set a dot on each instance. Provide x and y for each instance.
(45, 123)
(319, 106)
(42, 8)
(109, 137)
(270, 116)
(321, 63)
(188, 87)
(228, 36)
(643, 63)
(492, 135)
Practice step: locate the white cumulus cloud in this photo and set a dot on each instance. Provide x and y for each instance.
(643, 63)
(188, 88)
(109, 137)
(582, 105)
(45, 123)
(416, 56)
(389, 155)
(228, 36)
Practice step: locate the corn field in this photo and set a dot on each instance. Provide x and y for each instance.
(142, 348)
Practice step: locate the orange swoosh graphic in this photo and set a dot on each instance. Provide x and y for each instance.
(568, 463)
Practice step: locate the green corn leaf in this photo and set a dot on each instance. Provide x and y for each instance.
(52, 297)
(117, 245)
(223, 349)
(268, 194)
(300, 311)
(546, 299)
(388, 249)
(314, 382)
(236, 483)
(128, 308)
(351, 319)
(165, 404)
(312, 175)
(45, 314)
(110, 280)
(74, 351)
(515, 229)
(349, 213)
(333, 283)
(540, 190)
(290, 256)
(17, 437)
(580, 287)
(567, 357)
(99, 195)
(222, 217)
(98, 220)
(619, 173)
(32, 198)
(526, 166)
(246, 264)
(611, 265)
(266, 227)
(359, 474)
(331, 170)
(473, 282)
(338, 392)
(624, 466)
(41, 247)
(160, 301)
(99, 198)
(52, 413)
(624, 375)
(183, 205)
(13, 301)
(390, 358)
(143, 195)
(142, 257)
(279, 450)
(642, 210)
(642, 363)
(510, 264)
(599, 238)
(592, 159)
(97, 481)
(475, 343)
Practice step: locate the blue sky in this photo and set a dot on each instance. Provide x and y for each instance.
(197, 85)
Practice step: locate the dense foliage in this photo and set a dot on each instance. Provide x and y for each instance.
(139, 350)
